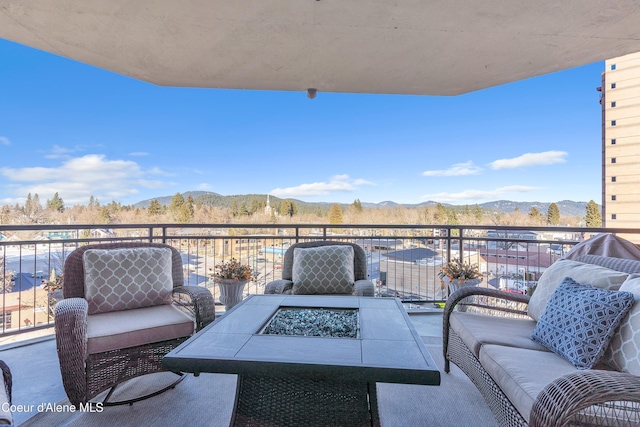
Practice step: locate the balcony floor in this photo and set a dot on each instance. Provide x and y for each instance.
(36, 376)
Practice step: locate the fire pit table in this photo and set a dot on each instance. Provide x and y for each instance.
(309, 360)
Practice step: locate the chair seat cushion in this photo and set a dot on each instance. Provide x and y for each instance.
(522, 373)
(122, 279)
(323, 270)
(131, 328)
(478, 329)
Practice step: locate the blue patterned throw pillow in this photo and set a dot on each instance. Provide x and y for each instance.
(579, 321)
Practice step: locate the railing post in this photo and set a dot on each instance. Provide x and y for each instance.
(448, 244)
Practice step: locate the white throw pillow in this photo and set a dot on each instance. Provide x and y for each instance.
(623, 353)
(586, 274)
(122, 279)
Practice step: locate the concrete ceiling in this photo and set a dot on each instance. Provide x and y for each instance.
(428, 47)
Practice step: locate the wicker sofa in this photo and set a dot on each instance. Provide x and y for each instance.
(523, 382)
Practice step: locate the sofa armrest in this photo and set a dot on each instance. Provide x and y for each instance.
(490, 303)
(278, 286)
(71, 343)
(559, 402)
(198, 301)
(364, 288)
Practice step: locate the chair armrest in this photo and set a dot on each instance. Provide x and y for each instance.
(364, 288)
(71, 344)
(278, 286)
(560, 401)
(471, 291)
(198, 301)
(7, 377)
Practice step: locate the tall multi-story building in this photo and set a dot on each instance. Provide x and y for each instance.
(621, 142)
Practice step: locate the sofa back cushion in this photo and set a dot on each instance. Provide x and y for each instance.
(122, 279)
(623, 353)
(586, 274)
(323, 270)
(579, 321)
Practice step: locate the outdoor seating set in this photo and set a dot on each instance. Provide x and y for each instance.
(567, 355)
(126, 307)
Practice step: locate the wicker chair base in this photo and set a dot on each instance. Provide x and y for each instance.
(294, 401)
(504, 412)
(108, 369)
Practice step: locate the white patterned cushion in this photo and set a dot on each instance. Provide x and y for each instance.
(122, 279)
(580, 320)
(623, 353)
(323, 270)
(587, 274)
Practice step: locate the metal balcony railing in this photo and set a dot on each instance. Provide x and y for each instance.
(402, 260)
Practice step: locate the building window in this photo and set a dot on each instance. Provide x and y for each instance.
(613, 179)
(613, 141)
(613, 67)
(613, 104)
(613, 85)
(5, 319)
(613, 216)
(613, 197)
(613, 160)
(613, 122)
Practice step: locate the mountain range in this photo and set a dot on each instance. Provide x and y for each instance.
(567, 207)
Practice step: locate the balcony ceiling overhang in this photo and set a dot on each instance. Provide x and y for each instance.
(374, 46)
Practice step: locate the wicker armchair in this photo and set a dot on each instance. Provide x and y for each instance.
(362, 286)
(89, 368)
(5, 396)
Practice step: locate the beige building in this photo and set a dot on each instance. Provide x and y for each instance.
(621, 143)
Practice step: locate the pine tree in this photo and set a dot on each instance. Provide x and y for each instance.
(441, 215)
(593, 218)
(176, 206)
(535, 214)
(478, 214)
(56, 203)
(244, 210)
(154, 208)
(357, 205)
(105, 215)
(553, 214)
(335, 214)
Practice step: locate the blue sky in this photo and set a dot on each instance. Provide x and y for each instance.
(78, 130)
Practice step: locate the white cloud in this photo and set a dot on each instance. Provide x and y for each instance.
(76, 179)
(58, 152)
(468, 195)
(531, 159)
(340, 183)
(139, 153)
(459, 169)
(4, 140)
